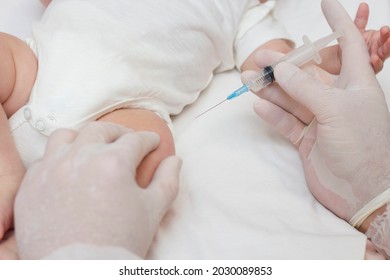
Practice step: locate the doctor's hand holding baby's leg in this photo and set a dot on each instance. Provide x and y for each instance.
(345, 148)
(84, 191)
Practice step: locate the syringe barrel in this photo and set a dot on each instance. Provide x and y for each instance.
(309, 50)
(261, 79)
(303, 54)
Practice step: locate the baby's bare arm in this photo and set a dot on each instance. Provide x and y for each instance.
(278, 45)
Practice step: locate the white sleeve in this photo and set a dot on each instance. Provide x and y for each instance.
(80, 251)
(257, 27)
(379, 232)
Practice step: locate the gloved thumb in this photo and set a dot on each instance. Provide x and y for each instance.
(164, 186)
(263, 58)
(356, 66)
(301, 86)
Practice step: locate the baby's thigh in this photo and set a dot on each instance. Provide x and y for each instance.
(18, 70)
(144, 120)
(8, 249)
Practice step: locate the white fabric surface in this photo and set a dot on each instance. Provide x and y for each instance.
(81, 251)
(243, 194)
(156, 73)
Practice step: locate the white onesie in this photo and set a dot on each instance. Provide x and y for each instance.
(96, 56)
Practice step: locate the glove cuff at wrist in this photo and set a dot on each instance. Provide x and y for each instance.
(379, 232)
(376, 203)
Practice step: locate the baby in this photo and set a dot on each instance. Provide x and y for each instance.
(133, 63)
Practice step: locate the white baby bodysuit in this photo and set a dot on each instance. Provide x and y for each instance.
(96, 56)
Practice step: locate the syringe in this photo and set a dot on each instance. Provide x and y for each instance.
(305, 53)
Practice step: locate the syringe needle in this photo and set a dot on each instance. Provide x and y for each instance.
(210, 109)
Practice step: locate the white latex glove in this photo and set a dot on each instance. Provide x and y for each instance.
(84, 191)
(345, 149)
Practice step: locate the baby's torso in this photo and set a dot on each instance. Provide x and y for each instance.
(96, 56)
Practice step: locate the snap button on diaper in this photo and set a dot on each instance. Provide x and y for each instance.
(27, 114)
(51, 119)
(40, 125)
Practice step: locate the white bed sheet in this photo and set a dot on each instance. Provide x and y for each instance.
(243, 194)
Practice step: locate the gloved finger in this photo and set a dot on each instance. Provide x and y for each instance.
(301, 86)
(297, 105)
(354, 71)
(100, 132)
(277, 96)
(58, 139)
(274, 94)
(285, 123)
(164, 187)
(320, 74)
(135, 146)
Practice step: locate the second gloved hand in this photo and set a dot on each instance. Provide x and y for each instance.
(84, 191)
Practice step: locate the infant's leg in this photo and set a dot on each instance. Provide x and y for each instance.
(11, 174)
(138, 120)
(18, 70)
(18, 67)
(8, 250)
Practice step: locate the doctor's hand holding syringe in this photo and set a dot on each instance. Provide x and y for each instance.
(340, 125)
(378, 43)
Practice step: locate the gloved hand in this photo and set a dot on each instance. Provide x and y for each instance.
(84, 191)
(340, 124)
